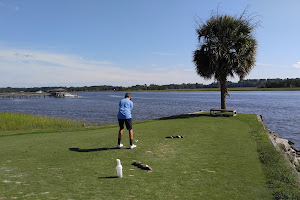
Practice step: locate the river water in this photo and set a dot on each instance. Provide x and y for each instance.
(280, 109)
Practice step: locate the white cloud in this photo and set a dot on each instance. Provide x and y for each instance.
(26, 68)
(297, 66)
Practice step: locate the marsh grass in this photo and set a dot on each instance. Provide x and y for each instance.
(25, 122)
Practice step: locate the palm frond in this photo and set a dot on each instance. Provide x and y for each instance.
(226, 47)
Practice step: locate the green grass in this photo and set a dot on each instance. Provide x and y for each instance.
(281, 176)
(219, 158)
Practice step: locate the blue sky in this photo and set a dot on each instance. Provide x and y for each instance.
(124, 43)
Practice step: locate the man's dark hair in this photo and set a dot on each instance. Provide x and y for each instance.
(127, 95)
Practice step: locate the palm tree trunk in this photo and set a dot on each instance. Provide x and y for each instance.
(223, 93)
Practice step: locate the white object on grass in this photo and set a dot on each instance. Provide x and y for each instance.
(119, 169)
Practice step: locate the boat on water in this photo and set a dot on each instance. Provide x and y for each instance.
(61, 93)
(69, 95)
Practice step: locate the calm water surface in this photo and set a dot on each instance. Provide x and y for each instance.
(280, 109)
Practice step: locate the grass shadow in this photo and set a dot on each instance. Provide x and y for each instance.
(183, 116)
(204, 114)
(92, 150)
(108, 177)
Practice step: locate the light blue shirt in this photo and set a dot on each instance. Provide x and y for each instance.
(125, 107)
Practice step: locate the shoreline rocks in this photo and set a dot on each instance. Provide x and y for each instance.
(284, 145)
(290, 150)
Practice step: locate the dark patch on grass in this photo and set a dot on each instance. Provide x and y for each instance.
(92, 150)
(108, 177)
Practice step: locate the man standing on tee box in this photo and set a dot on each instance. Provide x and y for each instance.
(124, 116)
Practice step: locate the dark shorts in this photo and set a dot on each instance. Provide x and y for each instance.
(128, 123)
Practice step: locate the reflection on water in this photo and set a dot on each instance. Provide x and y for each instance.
(280, 109)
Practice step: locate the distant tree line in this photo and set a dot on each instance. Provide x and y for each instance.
(259, 83)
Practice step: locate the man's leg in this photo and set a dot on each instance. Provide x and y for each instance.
(131, 137)
(128, 123)
(120, 136)
(121, 125)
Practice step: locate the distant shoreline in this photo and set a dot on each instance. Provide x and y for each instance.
(236, 89)
(3, 94)
(205, 90)
(208, 90)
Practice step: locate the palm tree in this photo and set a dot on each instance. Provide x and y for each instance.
(226, 48)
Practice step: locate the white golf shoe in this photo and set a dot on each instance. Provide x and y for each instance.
(132, 146)
(119, 146)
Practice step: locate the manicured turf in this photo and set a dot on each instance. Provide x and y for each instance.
(217, 159)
